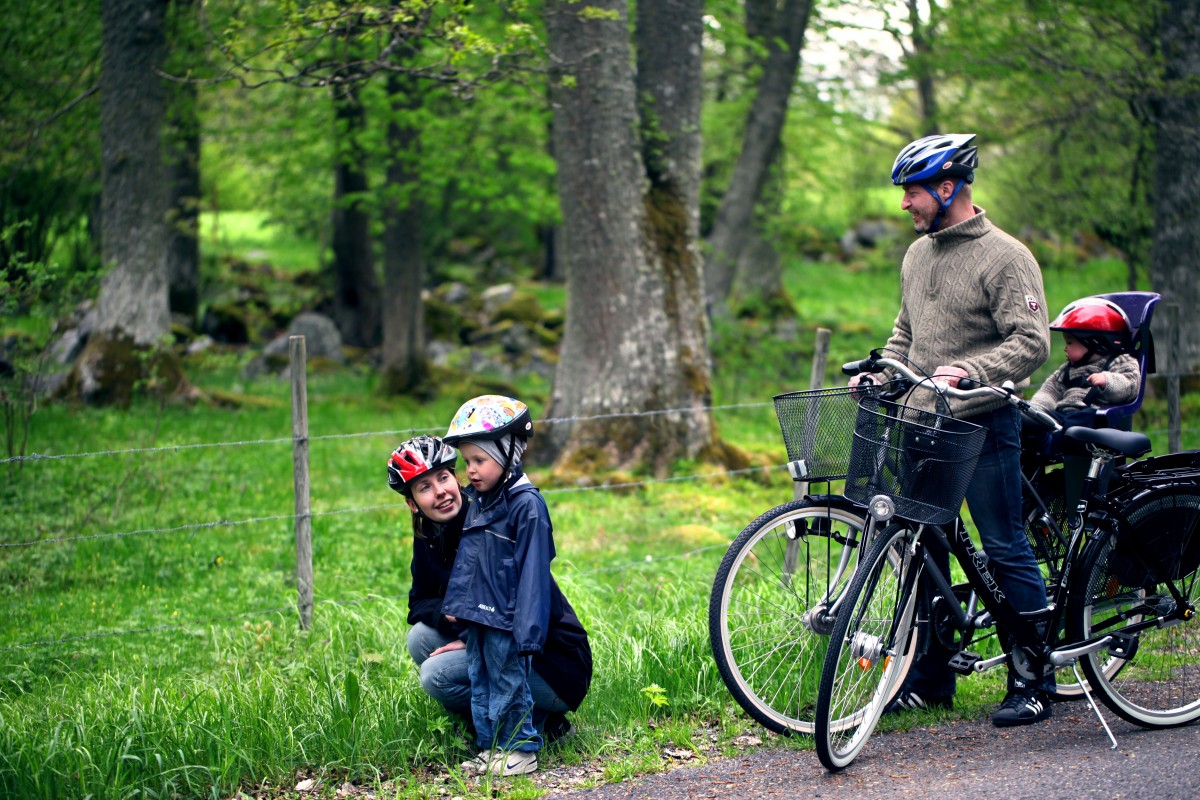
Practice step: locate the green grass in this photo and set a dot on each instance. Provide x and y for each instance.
(165, 661)
(249, 235)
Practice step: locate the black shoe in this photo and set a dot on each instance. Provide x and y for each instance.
(906, 700)
(1021, 707)
(557, 727)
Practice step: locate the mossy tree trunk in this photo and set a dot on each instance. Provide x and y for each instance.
(636, 337)
(132, 307)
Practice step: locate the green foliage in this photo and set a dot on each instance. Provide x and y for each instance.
(35, 294)
(49, 131)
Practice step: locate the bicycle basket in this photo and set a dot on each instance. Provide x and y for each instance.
(923, 461)
(818, 427)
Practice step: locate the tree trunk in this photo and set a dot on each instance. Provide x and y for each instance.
(763, 127)
(624, 350)
(183, 169)
(133, 295)
(921, 64)
(405, 368)
(356, 307)
(669, 43)
(759, 274)
(1174, 271)
(183, 179)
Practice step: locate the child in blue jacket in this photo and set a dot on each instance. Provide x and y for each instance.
(500, 585)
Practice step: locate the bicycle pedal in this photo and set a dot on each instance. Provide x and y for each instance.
(1123, 645)
(963, 662)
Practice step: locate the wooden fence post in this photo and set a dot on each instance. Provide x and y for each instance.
(304, 574)
(815, 381)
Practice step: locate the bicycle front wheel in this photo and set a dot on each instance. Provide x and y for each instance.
(1152, 601)
(870, 647)
(771, 607)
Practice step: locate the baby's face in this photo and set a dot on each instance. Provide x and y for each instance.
(1074, 349)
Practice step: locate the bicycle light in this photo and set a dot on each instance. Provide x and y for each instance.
(882, 508)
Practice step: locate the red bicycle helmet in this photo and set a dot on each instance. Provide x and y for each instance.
(414, 458)
(1100, 325)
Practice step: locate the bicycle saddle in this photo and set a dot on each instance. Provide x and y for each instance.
(1127, 443)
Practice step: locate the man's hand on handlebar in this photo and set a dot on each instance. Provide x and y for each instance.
(951, 375)
(863, 378)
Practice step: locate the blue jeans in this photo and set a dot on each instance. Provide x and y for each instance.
(501, 706)
(444, 677)
(994, 498)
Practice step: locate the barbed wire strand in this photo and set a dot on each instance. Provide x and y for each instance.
(32, 457)
(277, 517)
(361, 435)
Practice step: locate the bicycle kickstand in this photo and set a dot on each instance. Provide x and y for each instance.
(1083, 685)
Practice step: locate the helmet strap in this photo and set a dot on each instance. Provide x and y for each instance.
(508, 456)
(943, 205)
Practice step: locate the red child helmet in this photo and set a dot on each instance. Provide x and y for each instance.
(1100, 325)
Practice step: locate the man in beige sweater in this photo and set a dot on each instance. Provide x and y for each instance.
(972, 306)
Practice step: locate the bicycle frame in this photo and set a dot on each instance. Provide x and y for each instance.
(1035, 634)
(1104, 603)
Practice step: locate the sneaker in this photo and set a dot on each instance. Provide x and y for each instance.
(1021, 707)
(479, 764)
(516, 762)
(906, 700)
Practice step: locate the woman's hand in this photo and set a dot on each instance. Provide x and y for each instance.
(446, 648)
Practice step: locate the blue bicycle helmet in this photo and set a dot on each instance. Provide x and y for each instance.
(932, 159)
(935, 158)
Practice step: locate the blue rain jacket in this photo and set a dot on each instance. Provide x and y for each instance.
(501, 575)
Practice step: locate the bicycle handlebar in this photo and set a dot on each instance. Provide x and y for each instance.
(967, 388)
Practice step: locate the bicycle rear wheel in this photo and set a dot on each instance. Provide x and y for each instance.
(870, 648)
(768, 615)
(1159, 687)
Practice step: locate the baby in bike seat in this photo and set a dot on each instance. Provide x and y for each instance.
(1099, 372)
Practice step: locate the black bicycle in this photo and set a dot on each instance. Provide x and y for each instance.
(781, 583)
(1122, 608)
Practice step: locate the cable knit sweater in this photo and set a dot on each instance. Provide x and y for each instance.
(1068, 388)
(972, 297)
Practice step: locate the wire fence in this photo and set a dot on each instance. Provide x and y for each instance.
(193, 527)
(61, 538)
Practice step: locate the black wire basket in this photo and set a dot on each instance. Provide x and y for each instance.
(921, 460)
(818, 429)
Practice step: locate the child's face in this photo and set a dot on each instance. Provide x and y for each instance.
(1074, 349)
(483, 472)
(436, 495)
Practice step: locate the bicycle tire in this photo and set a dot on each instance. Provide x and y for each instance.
(768, 638)
(863, 666)
(1159, 687)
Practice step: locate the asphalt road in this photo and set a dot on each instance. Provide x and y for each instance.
(1069, 756)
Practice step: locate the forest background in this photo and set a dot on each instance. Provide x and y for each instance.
(633, 217)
